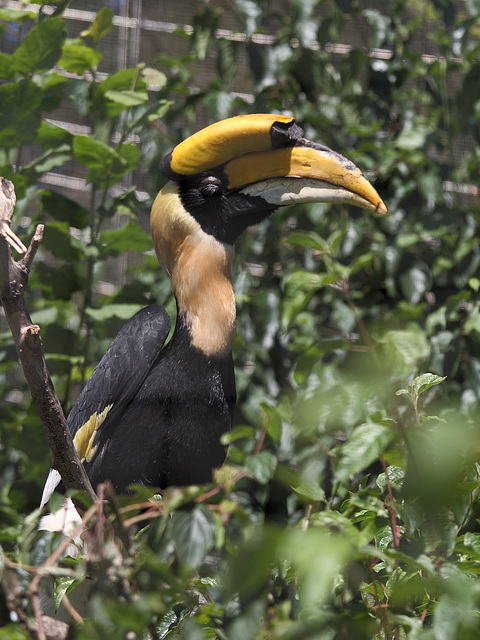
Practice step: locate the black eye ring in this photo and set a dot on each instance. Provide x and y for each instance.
(210, 185)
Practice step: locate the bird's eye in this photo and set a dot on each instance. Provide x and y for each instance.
(210, 186)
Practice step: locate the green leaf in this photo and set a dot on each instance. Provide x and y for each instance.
(63, 585)
(14, 632)
(310, 239)
(116, 164)
(425, 381)
(101, 25)
(124, 80)
(154, 77)
(248, 571)
(47, 161)
(205, 23)
(300, 286)
(64, 209)
(50, 136)
(159, 110)
(414, 137)
(396, 476)
(130, 155)
(310, 490)
(78, 58)
(474, 283)
(127, 98)
(94, 154)
(20, 113)
(7, 69)
(415, 282)
(122, 311)
(131, 237)
(53, 86)
(42, 47)
(193, 532)
(61, 243)
(262, 466)
(366, 443)
(318, 559)
(238, 433)
(17, 15)
(404, 348)
(457, 606)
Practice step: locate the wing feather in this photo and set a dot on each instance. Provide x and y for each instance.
(115, 382)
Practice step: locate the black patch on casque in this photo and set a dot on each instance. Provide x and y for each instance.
(285, 134)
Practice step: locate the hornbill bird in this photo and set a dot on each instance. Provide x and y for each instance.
(153, 412)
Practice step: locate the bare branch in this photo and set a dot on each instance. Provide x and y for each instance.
(32, 249)
(13, 280)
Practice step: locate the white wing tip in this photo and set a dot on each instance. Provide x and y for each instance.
(52, 482)
(66, 519)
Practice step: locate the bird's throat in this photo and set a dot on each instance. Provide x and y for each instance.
(202, 284)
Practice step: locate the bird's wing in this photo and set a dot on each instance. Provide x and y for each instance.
(114, 382)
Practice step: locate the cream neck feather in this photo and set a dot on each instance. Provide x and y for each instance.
(200, 269)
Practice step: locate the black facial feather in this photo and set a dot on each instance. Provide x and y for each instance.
(222, 213)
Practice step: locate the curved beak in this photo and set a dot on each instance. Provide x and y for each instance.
(306, 172)
(265, 156)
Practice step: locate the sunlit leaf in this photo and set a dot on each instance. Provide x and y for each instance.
(154, 77)
(78, 58)
(101, 25)
(426, 381)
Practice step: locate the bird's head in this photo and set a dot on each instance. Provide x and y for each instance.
(223, 179)
(234, 173)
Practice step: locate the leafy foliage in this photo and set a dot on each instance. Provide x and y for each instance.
(348, 506)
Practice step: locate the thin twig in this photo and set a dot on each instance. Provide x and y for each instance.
(219, 487)
(146, 515)
(261, 439)
(72, 612)
(469, 510)
(27, 259)
(391, 507)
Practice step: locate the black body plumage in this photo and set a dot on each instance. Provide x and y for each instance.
(170, 406)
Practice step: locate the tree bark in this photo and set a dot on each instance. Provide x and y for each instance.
(13, 280)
